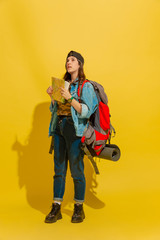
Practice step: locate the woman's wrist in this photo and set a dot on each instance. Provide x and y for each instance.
(70, 99)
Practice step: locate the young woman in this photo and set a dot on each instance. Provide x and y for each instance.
(67, 125)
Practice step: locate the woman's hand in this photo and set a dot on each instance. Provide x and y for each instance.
(65, 93)
(50, 91)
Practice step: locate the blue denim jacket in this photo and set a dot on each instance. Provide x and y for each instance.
(89, 103)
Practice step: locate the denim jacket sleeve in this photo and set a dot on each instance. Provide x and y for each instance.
(89, 101)
(53, 121)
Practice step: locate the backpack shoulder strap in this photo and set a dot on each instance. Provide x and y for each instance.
(91, 160)
(80, 87)
(101, 92)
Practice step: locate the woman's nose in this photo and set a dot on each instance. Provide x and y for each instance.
(68, 63)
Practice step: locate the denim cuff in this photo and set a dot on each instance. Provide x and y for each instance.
(84, 111)
(58, 199)
(80, 201)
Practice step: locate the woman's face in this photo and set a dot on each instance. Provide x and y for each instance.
(72, 65)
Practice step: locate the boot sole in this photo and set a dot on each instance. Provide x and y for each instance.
(77, 221)
(53, 220)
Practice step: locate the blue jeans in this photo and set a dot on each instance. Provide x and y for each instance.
(67, 147)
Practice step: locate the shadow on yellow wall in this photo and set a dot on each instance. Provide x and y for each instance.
(35, 168)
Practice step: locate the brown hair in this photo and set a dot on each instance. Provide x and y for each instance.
(81, 75)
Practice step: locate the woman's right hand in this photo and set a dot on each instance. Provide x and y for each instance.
(50, 91)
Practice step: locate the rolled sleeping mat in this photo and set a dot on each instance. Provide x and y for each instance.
(110, 152)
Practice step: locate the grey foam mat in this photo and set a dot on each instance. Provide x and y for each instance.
(110, 152)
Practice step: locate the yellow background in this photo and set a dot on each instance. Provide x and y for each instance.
(120, 42)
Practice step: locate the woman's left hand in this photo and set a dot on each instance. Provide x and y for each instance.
(65, 93)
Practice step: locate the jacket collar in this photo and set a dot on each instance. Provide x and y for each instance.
(75, 81)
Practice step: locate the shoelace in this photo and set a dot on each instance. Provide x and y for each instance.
(77, 210)
(54, 209)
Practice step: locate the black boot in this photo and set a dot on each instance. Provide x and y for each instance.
(55, 213)
(78, 214)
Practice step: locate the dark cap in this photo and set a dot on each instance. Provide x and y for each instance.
(77, 55)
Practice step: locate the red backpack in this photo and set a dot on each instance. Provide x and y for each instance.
(99, 130)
